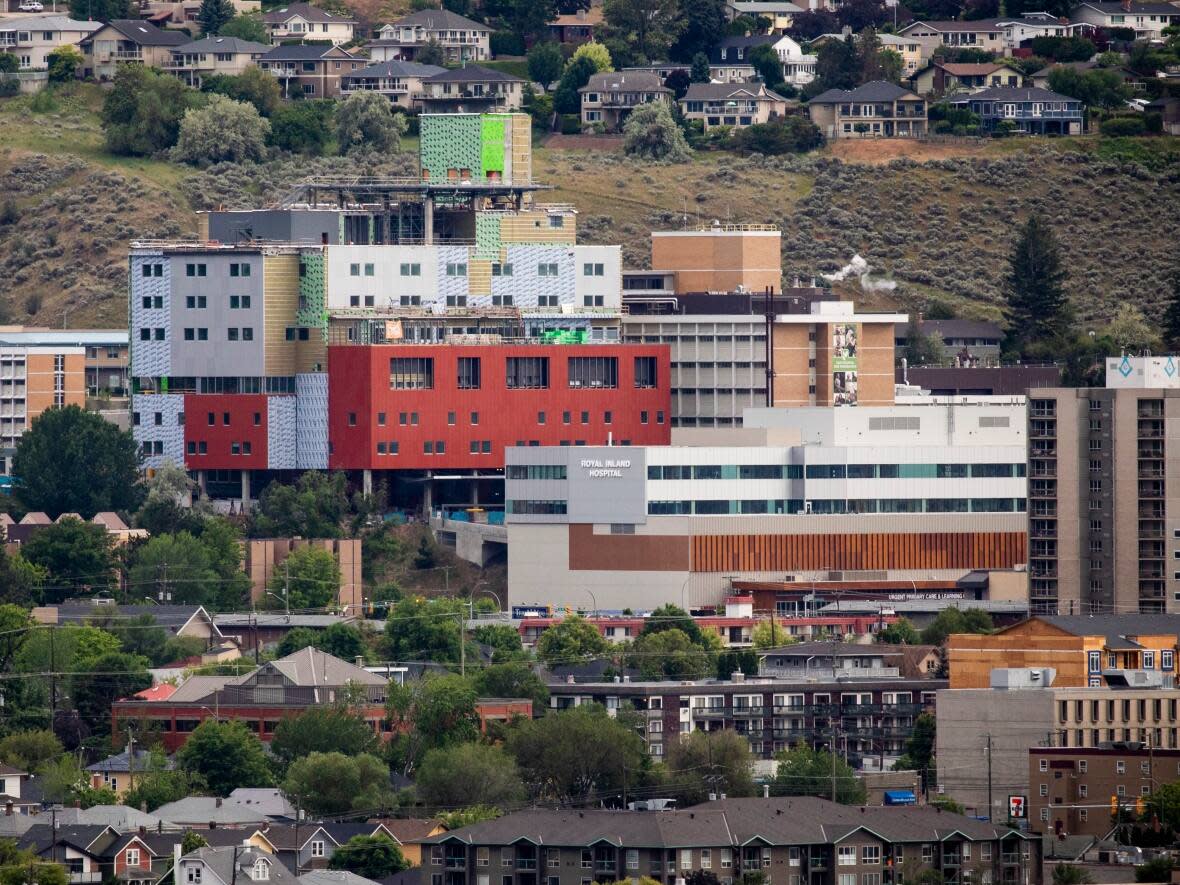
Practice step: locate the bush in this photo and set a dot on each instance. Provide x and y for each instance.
(1122, 126)
(9, 63)
(63, 64)
(571, 124)
(651, 132)
(364, 121)
(794, 135)
(9, 86)
(303, 127)
(223, 131)
(506, 43)
(9, 214)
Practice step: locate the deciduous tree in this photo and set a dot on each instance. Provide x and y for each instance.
(572, 641)
(436, 711)
(322, 730)
(247, 26)
(253, 85)
(648, 27)
(696, 761)
(223, 131)
(29, 750)
(303, 127)
(141, 115)
(512, 680)
(227, 755)
(668, 654)
(424, 630)
(803, 771)
(108, 678)
(901, 632)
(597, 53)
(77, 558)
(311, 508)
(331, 783)
(373, 857)
(704, 25)
(365, 122)
(309, 579)
(468, 774)
(546, 62)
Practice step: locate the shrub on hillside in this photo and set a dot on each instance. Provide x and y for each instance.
(224, 130)
(1122, 126)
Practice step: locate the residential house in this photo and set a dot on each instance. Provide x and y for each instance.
(1147, 19)
(32, 38)
(270, 801)
(214, 55)
(731, 104)
(1084, 650)
(231, 865)
(998, 36)
(830, 660)
(729, 60)
(780, 13)
(470, 89)
(410, 833)
(798, 66)
(129, 41)
(662, 69)
(1130, 80)
(129, 859)
(211, 812)
(267, 629)
(1034, 111)
(461, 39)
(874, 110)
(308, 847)
(80, 849)
(915, 51)
(186, 621)
(398, 81)
(302, 21)
(609, 98)
(120, 818)
(776, 837)
(11, 780)
(117, 772)
(314, 70)
(1168, 107)
(943, 77)
(578, 27)
(335, 877)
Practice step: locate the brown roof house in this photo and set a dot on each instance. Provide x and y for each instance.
(312, 69)
(129, 41)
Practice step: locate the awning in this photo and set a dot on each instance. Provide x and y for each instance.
(900, 797)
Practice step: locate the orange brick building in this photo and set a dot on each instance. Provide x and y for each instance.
(720, 258)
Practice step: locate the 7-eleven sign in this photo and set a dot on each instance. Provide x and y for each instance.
(1017, 806)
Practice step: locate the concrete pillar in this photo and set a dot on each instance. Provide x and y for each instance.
(202, 484)
(427, 496)
(245, 486)
(367, 482)
(475, 491)
(428, 219)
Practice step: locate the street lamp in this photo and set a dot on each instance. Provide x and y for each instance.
(593, 599)
(285, 599)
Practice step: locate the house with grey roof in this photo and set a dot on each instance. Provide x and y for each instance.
(978, 341)
(776, 837)
(313, 70)
(334, 877)
(874, 110)
(470, 89)
(214, 55)
(31, 38)
(305, 22)
(736, 105)
(995, 35)
(1031, 111)
(123, 41)
(460, 39)
(609, 98)
(231, 865)
(189, 621)
(1147, 20)
(207, 812)
(399, 81)
(780, 13)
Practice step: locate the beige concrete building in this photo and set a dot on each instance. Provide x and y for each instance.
(1102, 529)
(214, 55)
(32, 38)
(731, 104)
(263, 558)
(720, 257)
(976, 725)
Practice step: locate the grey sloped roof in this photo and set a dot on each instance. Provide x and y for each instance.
(223, 44)
(440, 20)
(639, 81)
(222, 862)
(474, 73)
(198, 810)
(877, 90)
(387, 69)
(305, 11)
(1115, 628)
(121, 762)
(306, 52)
(1136, 8)
(170, 617)
(119, 817)
(1013, 93)
(333, 877)
(312, 667)
(722, 91)
(48, 23)
(146, 34)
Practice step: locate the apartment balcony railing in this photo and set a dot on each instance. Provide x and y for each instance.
(792, 710)
(748, 711)
(526, 863)
(708, 712)
(120, 55)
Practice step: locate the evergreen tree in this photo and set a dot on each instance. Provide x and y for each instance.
(213, 14)
(1038, 308)
(700, 69)
(1171, 325)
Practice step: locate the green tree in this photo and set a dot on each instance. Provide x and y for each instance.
(650, 132)
(697, 758)
(919, 749)
(342, 641)
(1038, 308)
(74, 461)
(837, 66)
(955, 620)
(223, 131)
(296, 640)
(572, 641)
(191, 842)
(1068, 874)
(253, 85)
(767, 65)
(1130, 330)
(331, 783)
(108, 678)
(22, 581)
(141, 115)
(768, 634)
(310, 579)
(467, 774)
(527, 19)
(9, 63)
(577, 74)
(100, 10)
(373, 857)
(365, 122)
(1158, 869)
(247, 26)
(424, 630)
(213, 15)
(313, 507)
(546, 62)
(63, 64)
(737, 661)
(573, 754)
(29, 750)
(222, 542)
(1097, 88)
(647, 27)
(226, 755)
(504, 639)
(431, 53)
(322, 730)
(922, 349)
(670, 654)
(803, 771)
(699, 73)
(671, 617)
(436, 711)
(1165, 804)
(597, 53)
(466, 817)
(303, 127)
(512, 680)
(703, 27)
(24, 867)
(158, 785)
(792, 135)
(139, 635)
(900, 632)
(77, 558)
(177, 567)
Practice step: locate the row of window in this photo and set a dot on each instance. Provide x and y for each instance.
(459, 269)
(523, 373)
(727, 507)
(684, 338)
(200, 447)
(833, 471)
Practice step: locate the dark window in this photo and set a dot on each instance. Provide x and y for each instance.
(469, 374)
(527, 373)
(411, 373)
(645, 371)
(593, 371)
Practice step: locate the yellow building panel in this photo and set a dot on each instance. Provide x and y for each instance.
(280, 296)
(479, 276)
(522, 148)
(533, 227)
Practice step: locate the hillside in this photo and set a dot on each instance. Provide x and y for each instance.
(940, 228)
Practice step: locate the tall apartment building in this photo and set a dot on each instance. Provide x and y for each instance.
(45, 368)
(912, 494)
(1102, 538)
(382, 326)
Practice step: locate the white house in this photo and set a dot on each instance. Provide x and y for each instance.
(1148, 19)
(32, 38)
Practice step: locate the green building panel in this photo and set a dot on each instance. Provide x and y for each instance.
(487, 236)
(491, 136)
(450, 141)
(313, 313)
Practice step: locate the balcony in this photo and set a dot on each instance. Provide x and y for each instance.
(526, 863)
(1151, 470)
(789, 734)
(748, 711)
(788, 711)
(708, 712)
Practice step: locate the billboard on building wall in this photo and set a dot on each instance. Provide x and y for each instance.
(844, 364)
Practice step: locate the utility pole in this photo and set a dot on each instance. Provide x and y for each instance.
(832, 749)
(463, 635)
(52, 676)
(990, 807)
(287, 586)
(130, 758)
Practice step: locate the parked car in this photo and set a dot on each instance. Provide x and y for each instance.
(1138, 104)
(31, 6)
